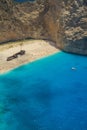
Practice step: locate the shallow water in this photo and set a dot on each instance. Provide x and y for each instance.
(45, 95)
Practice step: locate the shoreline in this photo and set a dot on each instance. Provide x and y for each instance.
(34, 50)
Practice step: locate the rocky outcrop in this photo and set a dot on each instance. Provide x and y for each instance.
(74, 26)
(62, 21)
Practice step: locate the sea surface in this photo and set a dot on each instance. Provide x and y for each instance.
(47, 94)
(24, 0)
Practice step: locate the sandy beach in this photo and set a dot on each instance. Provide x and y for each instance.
(34, 49)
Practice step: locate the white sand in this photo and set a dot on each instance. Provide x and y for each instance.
(35, 49)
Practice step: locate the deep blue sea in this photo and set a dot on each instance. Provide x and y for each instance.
(45, 95)
(24, 0)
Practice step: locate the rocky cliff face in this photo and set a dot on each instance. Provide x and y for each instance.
(74, 26)
(62, 21)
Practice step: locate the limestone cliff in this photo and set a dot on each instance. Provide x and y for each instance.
(74, 26)
(62, 21)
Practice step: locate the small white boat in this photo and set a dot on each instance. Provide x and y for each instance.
(73, 68)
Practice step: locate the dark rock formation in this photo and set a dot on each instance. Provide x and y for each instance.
(62, 21)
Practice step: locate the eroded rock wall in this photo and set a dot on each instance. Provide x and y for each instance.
(62, 21)
(74, 26)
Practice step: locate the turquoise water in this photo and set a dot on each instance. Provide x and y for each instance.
(45, 95)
